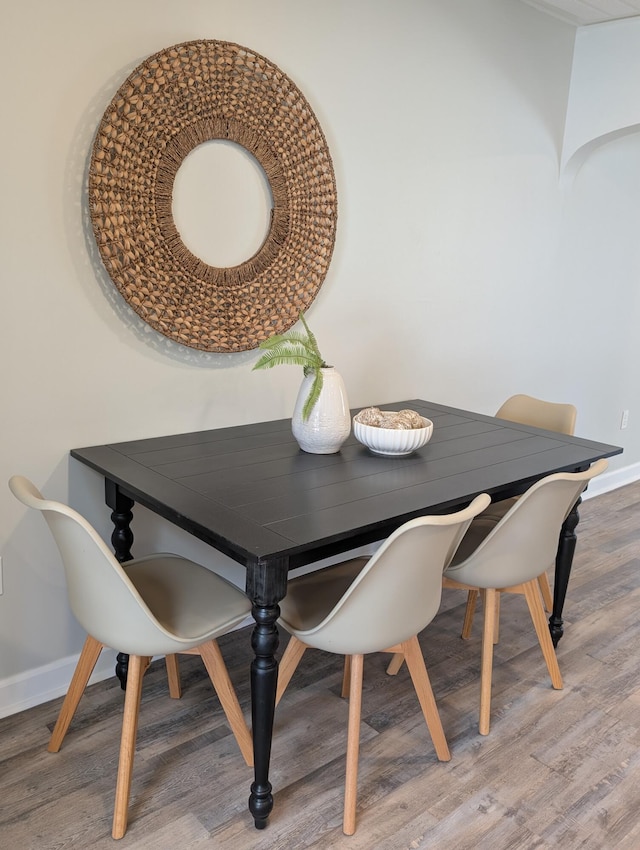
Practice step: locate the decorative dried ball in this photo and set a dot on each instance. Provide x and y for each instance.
(403, 420)
(370, 416)
(413, 419)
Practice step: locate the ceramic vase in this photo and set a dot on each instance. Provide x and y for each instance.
(329, 422)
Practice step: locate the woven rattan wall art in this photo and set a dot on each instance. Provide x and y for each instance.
(174, 101)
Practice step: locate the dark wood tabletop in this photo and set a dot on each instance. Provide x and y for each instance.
(251, 493)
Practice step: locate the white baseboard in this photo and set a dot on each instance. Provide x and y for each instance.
(38, 686)
(612, 480)
(34, 687)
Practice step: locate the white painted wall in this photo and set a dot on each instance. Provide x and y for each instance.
(463, 272)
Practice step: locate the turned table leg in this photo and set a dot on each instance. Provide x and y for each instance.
(264, 680)
(265, 587)
(564, 561)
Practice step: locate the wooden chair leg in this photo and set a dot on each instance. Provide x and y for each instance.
(219, 675)
(173, 676)
(486, 668)
(353, 744)
(137, 667)
(395, 664)
(420, 678)
(84, 668)
(346, 677)
(545, 590)
(496, 628)
(288, 664)
(469, 611)
(532, 595)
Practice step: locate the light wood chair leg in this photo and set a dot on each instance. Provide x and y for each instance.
(420, 678)
(486, 668)
(496, 628)
(137, 667)
(346, 677)
(395, 664)
(353, 744)
(469, 611)
(288, 664)
(173, 676)
(532, 595)
(545, 590)
(84, 668)
(219, 675)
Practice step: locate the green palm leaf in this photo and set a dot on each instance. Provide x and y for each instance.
(314, 395)
(286, 354)
(296, 348)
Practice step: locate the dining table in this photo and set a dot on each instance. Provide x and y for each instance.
(251, 493)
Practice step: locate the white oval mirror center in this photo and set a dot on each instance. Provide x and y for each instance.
(222, 203)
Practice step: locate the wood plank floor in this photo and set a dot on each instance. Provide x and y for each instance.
(558, 769)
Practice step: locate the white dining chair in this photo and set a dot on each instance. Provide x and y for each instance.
(526, 410)
(156, 605)
(508, 560)
(376, 605)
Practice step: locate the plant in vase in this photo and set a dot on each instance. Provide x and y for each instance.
(296, 348)
(321, 420)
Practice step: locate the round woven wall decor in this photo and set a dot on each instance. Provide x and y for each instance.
(174, 101)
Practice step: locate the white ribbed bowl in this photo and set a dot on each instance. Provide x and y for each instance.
(392, 442)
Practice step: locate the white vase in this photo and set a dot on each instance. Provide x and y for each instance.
(329, 422)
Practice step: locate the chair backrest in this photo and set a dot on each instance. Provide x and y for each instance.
(102, 597)
(525, 541)
(541, 414)
(398, 591)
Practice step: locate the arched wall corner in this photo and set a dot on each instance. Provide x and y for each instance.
(572, 163)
